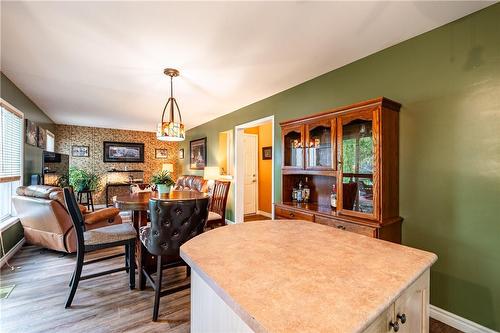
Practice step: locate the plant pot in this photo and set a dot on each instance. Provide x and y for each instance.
(162, 188)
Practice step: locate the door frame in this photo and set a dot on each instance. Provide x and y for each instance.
(256, 136)
(239, 171)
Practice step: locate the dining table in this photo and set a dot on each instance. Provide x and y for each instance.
(138, 203)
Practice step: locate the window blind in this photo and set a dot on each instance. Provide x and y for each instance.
(11, 141)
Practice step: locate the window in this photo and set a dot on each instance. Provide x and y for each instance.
(11, 147)
(50, 141)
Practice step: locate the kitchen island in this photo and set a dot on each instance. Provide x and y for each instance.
(297, 276)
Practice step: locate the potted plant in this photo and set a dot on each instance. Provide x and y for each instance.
(82, 180)
(163, 181)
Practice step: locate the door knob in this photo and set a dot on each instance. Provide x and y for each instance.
(402, 317)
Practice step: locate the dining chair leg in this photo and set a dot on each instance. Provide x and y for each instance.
(127, 257)
(72, 277)
(131, 261)
(157, 288)
(76, 278)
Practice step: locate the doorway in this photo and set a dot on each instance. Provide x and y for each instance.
(254, 165)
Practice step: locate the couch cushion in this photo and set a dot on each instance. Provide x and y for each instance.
(37, 191)
(191, 183)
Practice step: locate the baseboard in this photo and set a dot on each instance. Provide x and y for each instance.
(11, 252)
(266, 214)
(457, 322)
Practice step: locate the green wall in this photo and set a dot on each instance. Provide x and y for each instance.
(448, 81)
(13, 95)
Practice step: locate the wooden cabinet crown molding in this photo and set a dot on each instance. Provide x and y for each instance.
(379, 101)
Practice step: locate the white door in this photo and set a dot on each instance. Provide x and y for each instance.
(250, 145)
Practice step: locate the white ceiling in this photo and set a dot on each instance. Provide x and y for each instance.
(101, 63)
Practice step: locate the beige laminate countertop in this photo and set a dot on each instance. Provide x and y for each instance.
(296, 276)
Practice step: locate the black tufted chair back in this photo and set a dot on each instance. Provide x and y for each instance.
(173, 223)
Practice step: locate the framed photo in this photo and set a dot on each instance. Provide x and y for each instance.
(42, 137)
(80, 151)
(121, 152)
(198, 154)
(181, 153)
(161, 153)
(267, 153)
(31, 133)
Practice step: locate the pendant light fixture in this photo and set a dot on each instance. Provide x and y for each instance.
(171, 130)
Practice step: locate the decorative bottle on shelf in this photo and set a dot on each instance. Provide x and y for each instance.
(333, 197)
(294, 194)
(300, 197)
(306, 192)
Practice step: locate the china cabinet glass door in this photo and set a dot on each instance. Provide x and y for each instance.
(357, 158)
(293, 151)
(320, 145)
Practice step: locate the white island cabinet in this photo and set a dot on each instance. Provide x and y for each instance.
(294, 276)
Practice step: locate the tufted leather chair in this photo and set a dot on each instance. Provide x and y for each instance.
(191, 183)
(172, 224)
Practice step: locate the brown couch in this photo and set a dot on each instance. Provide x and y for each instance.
(46, 221)
(191, 183)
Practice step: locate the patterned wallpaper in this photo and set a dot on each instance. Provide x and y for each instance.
(68, 135)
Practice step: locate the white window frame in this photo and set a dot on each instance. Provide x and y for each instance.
(7, 222)
(50, 134)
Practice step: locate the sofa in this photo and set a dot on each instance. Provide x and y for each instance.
(191, 183)
(46, 220)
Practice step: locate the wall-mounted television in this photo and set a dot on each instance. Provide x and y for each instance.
(50, 157)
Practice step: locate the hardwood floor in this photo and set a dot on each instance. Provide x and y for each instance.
(103, 304)
(254, 217)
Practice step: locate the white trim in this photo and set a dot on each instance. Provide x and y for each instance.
(238, 189)
(266, 214)
(11, 252)
(12, 109)
(8, 222)
(456, 321)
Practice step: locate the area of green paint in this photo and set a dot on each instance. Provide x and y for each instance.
(448, 81)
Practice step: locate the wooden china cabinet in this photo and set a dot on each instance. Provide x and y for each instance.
(356, 149)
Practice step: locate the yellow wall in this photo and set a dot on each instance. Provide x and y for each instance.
(222, 155)
(265, 139)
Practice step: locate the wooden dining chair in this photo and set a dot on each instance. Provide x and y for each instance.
(218, 201)
(97, 239)
(172, 224)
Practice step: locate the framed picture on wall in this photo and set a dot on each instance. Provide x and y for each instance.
(42, 137)
(181, 153)
(80, 151)
(198, 154)
(31, 133)
(267, 153)
(130, 152)
(161, 153)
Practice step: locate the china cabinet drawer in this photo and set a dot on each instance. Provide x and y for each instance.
(291, 214)
(359, 229)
